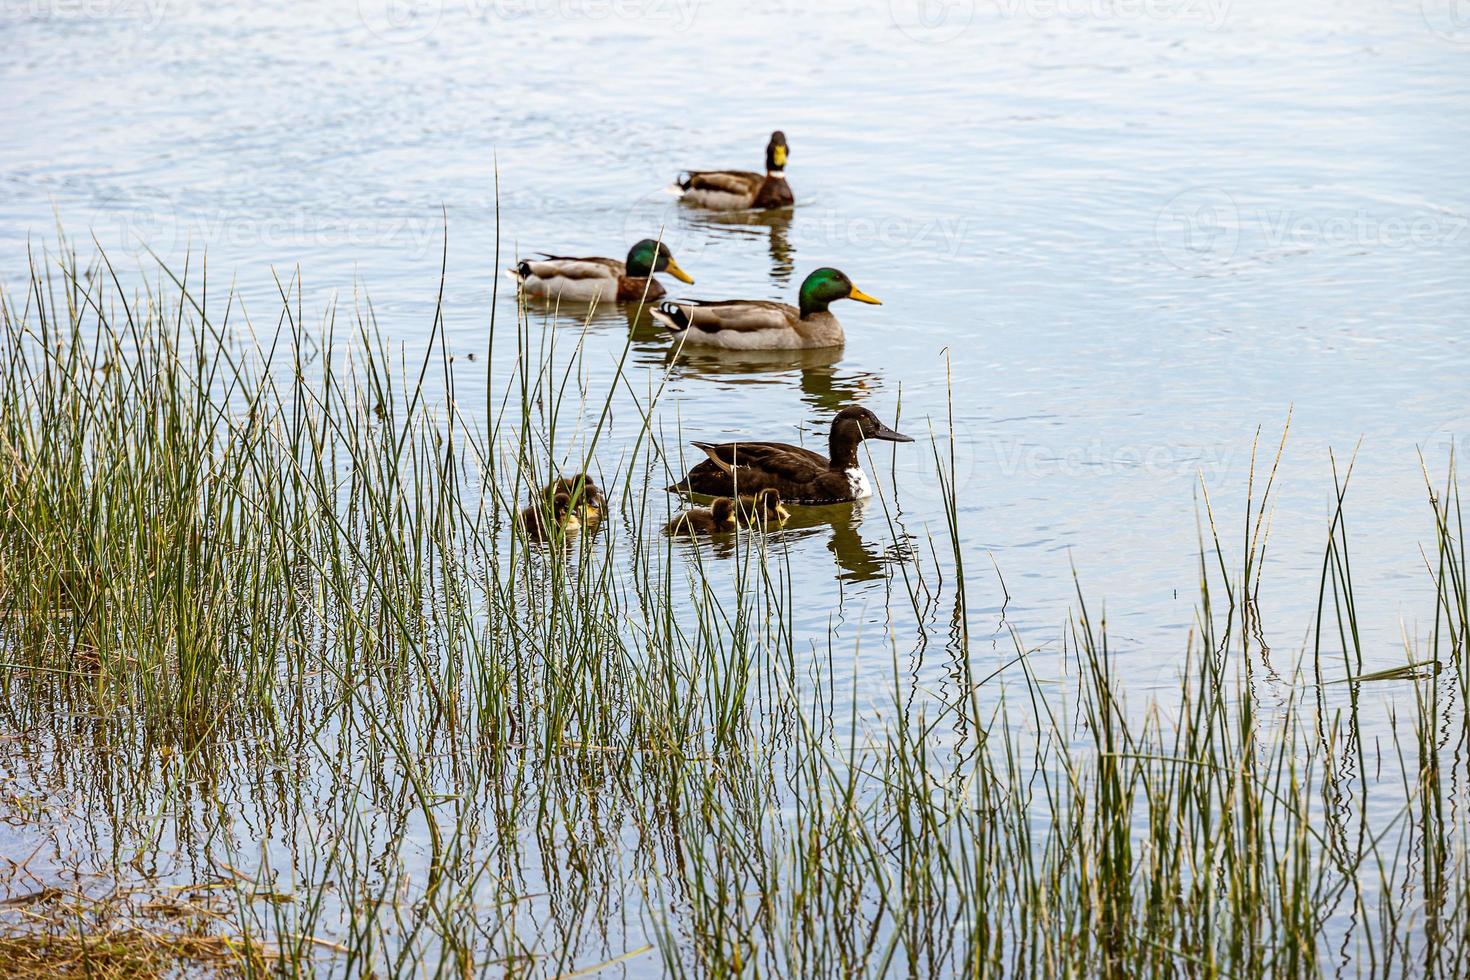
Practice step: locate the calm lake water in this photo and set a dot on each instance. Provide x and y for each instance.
(1130, 237)
(1121, 237)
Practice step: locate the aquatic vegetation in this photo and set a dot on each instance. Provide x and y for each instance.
(124, 934)
(271, 628)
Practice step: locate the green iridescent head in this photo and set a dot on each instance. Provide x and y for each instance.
(649, 256)
(826, 286)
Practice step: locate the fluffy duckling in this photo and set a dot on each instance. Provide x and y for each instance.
(568, 503)
(763, 510)
(717, 518)
(586, 498)
(544, 517)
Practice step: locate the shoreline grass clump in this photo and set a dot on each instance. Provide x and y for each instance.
(71, 935)
(270, 619)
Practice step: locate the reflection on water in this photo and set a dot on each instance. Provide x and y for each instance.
(1096, 243)
(860, 557)
(774, 226)
(562, 314)
(815, 372)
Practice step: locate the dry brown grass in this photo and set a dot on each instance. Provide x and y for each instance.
(63, 935)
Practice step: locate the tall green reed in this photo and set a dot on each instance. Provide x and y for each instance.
(284, 569)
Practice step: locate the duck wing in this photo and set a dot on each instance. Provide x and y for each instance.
(751, 467)
(775, 458)
(740, 315)
(567, 267)
(722, 181)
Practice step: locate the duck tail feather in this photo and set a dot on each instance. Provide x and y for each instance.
(713, 452)
(672, 316)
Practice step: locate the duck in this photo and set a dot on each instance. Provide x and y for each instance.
(586, 497)
(741, 190)
(595, 279)
(763, 510)
(717, 518)
(566, 503)
(540, 519)
(757, 324)
(798, 475)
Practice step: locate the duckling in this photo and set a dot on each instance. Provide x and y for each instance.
(586, 498)
(758, 324)
(541, 517)
(596, 279)
(570, 503)
(741, 190)
(717, 518)
(763, 510)
(798, 474)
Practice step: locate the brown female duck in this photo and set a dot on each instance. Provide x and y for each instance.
(798, 475)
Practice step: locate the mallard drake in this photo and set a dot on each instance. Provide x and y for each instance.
(741, 190)
(757, 324)
(595, 279)
(798, 474)
(569, 503)
(763, 509)
(717, 518)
